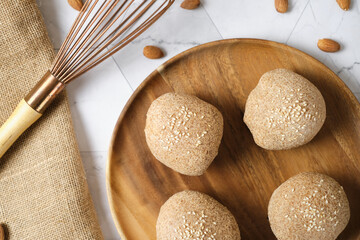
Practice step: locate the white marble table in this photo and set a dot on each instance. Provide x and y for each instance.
(97, 98)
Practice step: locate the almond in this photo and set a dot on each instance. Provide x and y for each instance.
(2, 233)
(281, 6)
(328, 45)
(76, 4)
(344, 4)
(153, 52)
(190, 4)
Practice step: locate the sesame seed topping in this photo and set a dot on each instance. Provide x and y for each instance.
(293, 114)
(198, 229)
(177, 128)
(314, 210)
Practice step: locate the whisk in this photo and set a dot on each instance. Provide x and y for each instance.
(102, 28)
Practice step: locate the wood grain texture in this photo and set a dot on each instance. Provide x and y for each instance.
(2, 233)
(243, 176)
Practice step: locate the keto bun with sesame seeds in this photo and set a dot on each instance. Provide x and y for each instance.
(284, 111)
(184, 132)
(195, 215)
(309, 206)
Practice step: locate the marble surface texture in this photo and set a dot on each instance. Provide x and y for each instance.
(97, 98)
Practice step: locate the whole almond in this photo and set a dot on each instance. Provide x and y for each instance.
(344, 4)
(153, 52)
(281, 6)
(76, 4)
(190, 4)
(328, 45)
(2, 232)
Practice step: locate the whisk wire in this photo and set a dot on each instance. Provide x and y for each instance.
(113, 38)
(92, 37)
(74, 56)
(75, 39)
(86, 51)
(70, 37)
(130, 37)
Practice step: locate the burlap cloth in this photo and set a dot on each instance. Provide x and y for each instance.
(43, 190)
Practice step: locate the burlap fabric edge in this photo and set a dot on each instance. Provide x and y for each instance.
(43, 188)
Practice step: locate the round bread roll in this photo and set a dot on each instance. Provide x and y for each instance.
(284, 111)
(309, 206)
(194, 215)
(184, 132)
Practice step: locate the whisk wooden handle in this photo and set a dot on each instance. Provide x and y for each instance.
(20, 120)
(29, 110)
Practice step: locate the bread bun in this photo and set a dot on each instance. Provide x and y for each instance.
(309, 206)
(194, 215)
(184, 132)
(284, 111)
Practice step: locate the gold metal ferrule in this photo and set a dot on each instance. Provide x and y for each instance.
(44, 92)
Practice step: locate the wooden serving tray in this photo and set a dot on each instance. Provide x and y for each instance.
(243, 175)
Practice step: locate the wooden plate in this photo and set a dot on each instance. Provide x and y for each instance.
(243, 175)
